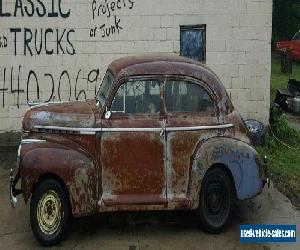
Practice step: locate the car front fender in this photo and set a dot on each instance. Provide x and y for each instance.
(72, 166)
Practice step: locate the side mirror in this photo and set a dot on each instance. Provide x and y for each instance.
(107, 115)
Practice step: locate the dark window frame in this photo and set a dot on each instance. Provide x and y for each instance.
(201, 27)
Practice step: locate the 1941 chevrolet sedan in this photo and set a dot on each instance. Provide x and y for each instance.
(161, 134)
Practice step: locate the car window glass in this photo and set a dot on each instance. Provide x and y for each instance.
(182, 96)
(118, 104)
(105, 87)
(139, 96)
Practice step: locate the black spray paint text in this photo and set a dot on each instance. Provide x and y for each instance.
(3, 41)
(108, 7)
(36, 41)
(47, 41)
(60, 82)
(30, 8)
(107, 30)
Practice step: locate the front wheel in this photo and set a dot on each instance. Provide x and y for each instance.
(49, 212)
(216, 200)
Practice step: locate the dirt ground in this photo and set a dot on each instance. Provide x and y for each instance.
(149, 230)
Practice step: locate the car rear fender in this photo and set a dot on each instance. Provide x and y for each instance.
(237, 157)
(74, 167)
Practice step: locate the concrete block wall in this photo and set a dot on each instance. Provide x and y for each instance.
(59, 50)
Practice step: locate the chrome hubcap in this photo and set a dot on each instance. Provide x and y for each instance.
(49, 212)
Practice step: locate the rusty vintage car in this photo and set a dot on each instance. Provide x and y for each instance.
(161, 134)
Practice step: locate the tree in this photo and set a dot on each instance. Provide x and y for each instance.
(286, 19)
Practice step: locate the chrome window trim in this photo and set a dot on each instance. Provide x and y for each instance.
(174, 129)
(131, 130)
(85, 131)
(92, 131)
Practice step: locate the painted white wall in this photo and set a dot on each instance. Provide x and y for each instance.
(238, 47)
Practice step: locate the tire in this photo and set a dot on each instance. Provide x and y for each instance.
(49, 212)
(217, 196)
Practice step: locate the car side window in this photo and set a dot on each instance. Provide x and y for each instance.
(138, 96)
(184, 96)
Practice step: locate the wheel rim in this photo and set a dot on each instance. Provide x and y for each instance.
(216, 200)
(49, 212)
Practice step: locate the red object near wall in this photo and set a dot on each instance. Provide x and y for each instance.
(293, 45)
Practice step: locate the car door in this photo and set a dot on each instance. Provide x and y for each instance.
(191, 111)
(133, 146)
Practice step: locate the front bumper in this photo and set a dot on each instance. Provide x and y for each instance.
(14, 192)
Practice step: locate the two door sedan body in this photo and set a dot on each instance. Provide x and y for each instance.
(161, 135)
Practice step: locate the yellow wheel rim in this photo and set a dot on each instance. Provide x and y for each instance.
(49, 212)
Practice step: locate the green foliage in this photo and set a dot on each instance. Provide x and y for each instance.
(283, 151)
(279, 125)
(278, 121)
(286, 19)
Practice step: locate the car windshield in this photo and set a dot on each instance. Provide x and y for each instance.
(103, 91)
(297, 36)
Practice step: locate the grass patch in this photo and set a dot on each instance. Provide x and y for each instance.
(279, 80)
(283, 143)
(284, 168)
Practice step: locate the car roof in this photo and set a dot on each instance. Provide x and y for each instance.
(151, 61)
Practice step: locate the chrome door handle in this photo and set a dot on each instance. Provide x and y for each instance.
(162, 132)
(163, 127)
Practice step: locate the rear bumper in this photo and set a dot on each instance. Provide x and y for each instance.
(265, 172)
(14, 192)
(267, 182)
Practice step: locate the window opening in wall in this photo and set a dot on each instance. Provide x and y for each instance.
(193, 42)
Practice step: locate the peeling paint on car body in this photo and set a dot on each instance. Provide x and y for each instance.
(237, 156)
(71, 114)
(139, 161)
(69, 161)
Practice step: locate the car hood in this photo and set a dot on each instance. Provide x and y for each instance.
(79, 114)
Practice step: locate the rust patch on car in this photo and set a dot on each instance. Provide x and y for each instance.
(68, 162)
(182, 146)
(72, 114)
(82, 187)
(132, 164)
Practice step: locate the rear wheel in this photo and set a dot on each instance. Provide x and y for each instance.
(49, 212)
(216, 200)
